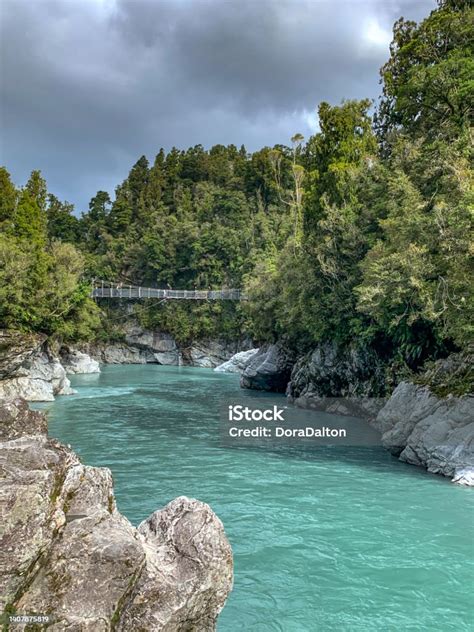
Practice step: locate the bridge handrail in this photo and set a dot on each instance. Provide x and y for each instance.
(106, 289)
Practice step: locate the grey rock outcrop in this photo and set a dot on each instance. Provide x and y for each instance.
(436, 433)
(67, 552)
(15, 348)
(39, 377)
(237, 363)
(142, 346)
(75, 361)
(211, 353)
(331, 371)
(118, 353)
(160, 346)
(188, 570)
(451, 375)
(269, 369)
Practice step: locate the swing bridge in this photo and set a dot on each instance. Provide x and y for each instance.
(107, 289)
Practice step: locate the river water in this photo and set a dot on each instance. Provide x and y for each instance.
(330, 540)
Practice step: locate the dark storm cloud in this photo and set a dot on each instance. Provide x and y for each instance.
(88, 86)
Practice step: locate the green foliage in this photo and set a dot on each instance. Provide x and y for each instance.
(62, 224)
(313, 283)
(195, 218)
(428, 80)
(37, 189)
(8, 199)
(29, 220)
(418, 277)
(346, 142)
(187, 322)
(41, 290)
(386, 253)
(42, 284)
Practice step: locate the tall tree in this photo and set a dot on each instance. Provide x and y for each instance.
(29, 220)
(62, 223)
(38, 190)
(136, 184)
(8, 198)
(428, 82)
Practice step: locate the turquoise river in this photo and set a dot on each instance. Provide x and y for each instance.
(340, 539)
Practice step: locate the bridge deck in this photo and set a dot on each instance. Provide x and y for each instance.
(135, 291)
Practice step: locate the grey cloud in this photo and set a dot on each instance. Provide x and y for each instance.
(88, 86)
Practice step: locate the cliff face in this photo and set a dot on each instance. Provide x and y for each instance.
(422, 424)
(330, 371)
(141, 346)
(67, 552)
(436, 433)
(327, 371)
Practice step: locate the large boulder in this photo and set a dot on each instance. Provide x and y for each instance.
(67, 552)
(75, 361)
(436, 433)
(269, 369)
(40, 377)
(237, 363)
(188, 570)
(211, 353)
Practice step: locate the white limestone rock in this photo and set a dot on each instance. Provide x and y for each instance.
(212, 353)
(237, 363)
(27, 388)
(41, 378)
(75, 362)
(464, 476)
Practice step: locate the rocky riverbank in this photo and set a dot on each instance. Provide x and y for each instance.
(36, 369)
(436, 433)
(422, 424)
(142, 346)
(69, 554)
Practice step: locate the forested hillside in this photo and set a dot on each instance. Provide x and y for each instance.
(384, 255)
(362, 232)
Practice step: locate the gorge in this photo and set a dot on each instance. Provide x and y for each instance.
(353, 251)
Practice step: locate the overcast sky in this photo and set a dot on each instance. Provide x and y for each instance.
(88, 86)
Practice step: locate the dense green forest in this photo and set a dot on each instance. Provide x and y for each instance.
(361, 233)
